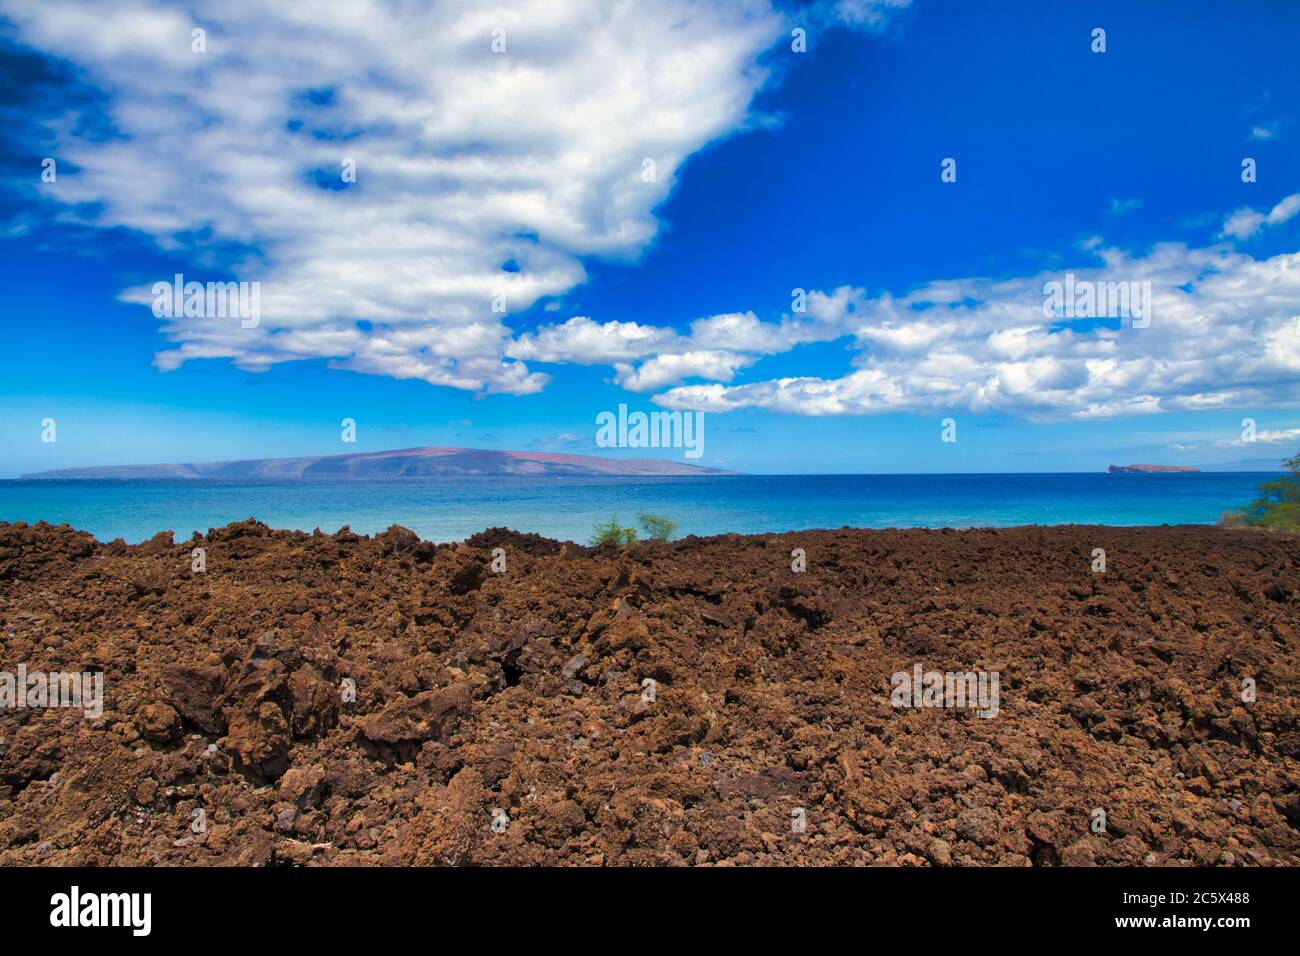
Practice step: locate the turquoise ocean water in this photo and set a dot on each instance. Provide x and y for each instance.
(568, 508)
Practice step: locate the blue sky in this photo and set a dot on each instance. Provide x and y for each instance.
(524, 171)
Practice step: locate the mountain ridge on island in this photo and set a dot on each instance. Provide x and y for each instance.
(1151, 470)
(424, 462)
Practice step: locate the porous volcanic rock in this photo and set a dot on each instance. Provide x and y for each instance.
(338, 699)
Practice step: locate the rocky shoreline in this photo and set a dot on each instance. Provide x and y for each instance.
(288, 698)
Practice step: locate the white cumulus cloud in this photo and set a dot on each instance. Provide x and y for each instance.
(1224, 331)
(482, 177)
(1246, 222)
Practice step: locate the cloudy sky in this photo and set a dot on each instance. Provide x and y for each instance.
(483, 224)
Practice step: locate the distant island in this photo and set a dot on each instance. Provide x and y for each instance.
(1150, 469)
(402, 463)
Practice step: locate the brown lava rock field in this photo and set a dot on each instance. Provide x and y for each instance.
(522, 691)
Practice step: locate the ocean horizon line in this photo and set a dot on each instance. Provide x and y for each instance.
(398, 479)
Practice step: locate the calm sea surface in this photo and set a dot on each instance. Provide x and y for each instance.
(568, 508)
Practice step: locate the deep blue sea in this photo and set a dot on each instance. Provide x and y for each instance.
(568, 508)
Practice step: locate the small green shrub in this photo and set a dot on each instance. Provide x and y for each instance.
(657, 528)
(1232, 519)
(1278, 506)
(613, 532)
